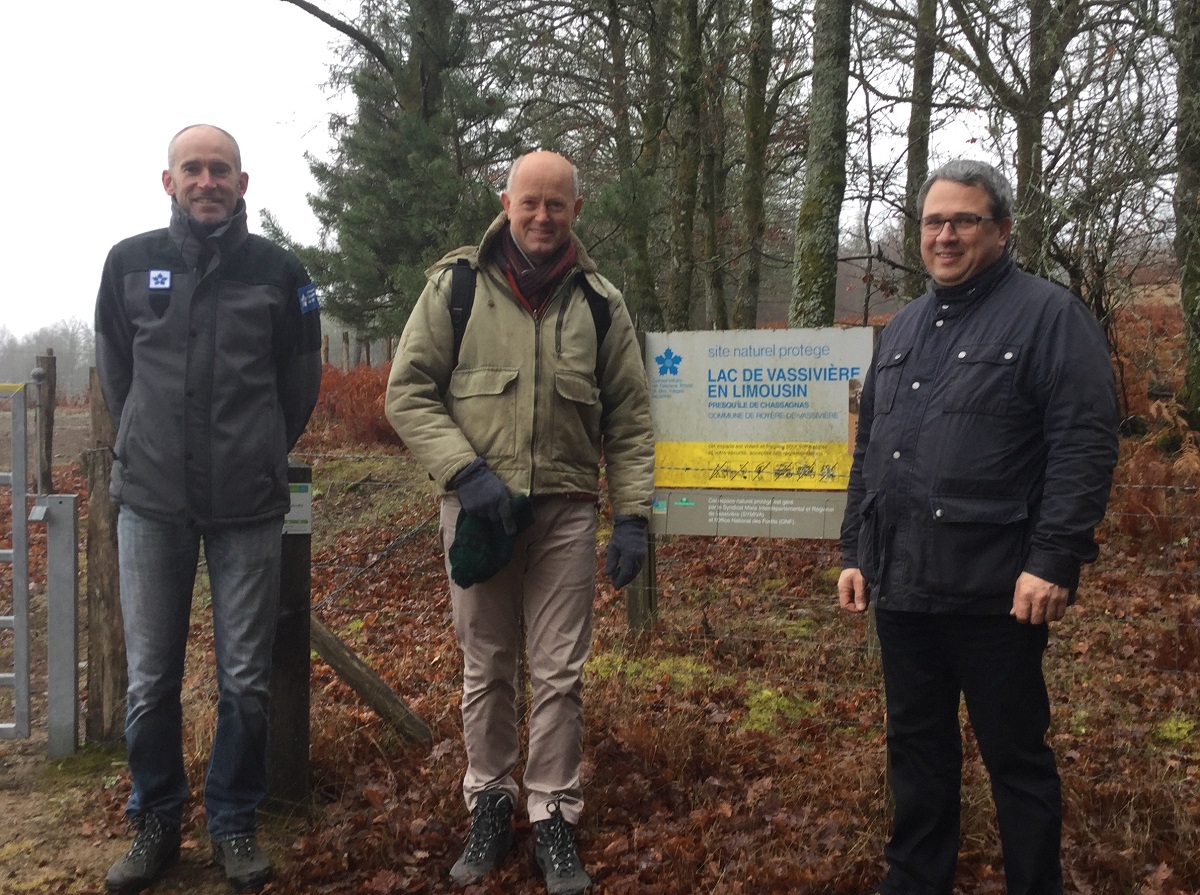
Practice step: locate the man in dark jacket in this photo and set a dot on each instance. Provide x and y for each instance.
(208, 352)
(984, 457)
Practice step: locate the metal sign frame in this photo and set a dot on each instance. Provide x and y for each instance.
(754, 429)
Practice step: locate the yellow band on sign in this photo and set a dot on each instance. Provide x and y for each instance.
(779, 465)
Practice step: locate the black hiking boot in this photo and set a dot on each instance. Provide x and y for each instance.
(245, 865)
(490, 839)
(154, 849)
(556, 855)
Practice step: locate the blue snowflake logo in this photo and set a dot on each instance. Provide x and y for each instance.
(668, 363)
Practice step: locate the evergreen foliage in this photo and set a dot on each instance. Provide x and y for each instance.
(411, 177)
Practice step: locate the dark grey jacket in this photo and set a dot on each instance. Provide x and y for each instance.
(208, 352)
(986, 443)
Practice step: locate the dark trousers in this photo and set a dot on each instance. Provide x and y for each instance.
(996, 664)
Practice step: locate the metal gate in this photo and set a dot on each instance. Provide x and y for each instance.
(58, 512)
(14, 626)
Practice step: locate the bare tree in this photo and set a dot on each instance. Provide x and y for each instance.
(920, 120)
(1187, 193)
(754, 174)
(814, 277)
(677, 310)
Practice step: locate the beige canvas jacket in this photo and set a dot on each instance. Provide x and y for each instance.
(524, 395)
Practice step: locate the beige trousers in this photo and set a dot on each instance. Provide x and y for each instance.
(550, 584)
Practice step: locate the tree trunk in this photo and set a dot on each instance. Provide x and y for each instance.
(814, 276)
(758, 137)
(637, 165)
(919, 120)
(1187, 195)
(47, 398)
(678, 306)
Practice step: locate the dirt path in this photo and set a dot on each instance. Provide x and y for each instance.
(60, 826)
(57, 836)
(60, 821)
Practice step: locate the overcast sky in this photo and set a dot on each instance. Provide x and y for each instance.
(93, 92)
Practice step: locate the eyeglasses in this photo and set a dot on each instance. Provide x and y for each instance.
(962, 223)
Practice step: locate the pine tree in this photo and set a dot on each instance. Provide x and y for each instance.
(412, 175)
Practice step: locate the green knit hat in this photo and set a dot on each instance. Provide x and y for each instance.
(481, 548)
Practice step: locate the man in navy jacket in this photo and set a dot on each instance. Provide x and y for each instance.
(983, 461)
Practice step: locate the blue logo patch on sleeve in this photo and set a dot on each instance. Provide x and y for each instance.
(160, 279)
(308, 298)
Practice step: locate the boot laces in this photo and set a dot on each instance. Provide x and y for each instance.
(241, 846)
(149, 834)
(558, 840)
(487, 824)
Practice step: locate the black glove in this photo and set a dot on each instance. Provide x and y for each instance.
(482, 494)
(626, 550)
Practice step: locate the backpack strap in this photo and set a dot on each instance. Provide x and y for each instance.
(598, 305)
(462, 297)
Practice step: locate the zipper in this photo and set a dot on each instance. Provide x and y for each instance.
(567, 287)
(537, 395)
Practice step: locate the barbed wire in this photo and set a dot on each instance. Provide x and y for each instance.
(398, 541)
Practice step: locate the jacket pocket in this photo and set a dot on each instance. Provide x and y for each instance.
(887, 372)
(577, 411)
(483, 402)
(980, 378)
(975, 546)
(872, 544)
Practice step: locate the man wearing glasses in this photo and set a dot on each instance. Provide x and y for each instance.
(984, 456)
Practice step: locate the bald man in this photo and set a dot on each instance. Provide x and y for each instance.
(208, 350)
(547, 376)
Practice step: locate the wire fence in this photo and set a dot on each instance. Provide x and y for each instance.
(1125, 660)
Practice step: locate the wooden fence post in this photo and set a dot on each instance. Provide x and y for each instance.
(288, 734)
(641, 595)
(46, 399)
(107, 675)
(373, 690)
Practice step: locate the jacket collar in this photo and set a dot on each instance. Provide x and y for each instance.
(980, 285)
(583, 261)
(220, 241)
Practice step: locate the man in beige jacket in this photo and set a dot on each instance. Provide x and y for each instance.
(547, 379)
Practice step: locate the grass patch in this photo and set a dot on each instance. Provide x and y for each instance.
(765, 708)
(367, 490)
(87, 765)
(647, 673)
(1176, 729)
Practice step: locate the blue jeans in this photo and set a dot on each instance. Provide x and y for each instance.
(158, 572)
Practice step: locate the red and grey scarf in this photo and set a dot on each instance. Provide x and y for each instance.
(533, 285)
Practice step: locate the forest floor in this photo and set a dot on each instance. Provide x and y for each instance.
(736, 747)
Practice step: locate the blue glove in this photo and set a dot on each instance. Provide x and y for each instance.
(482, 494)
(626, 550)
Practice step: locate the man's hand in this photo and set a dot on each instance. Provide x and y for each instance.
(626, 550)
(482, 494)
(1037, 601)
(852, 590)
